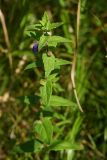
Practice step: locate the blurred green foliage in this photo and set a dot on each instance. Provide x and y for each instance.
(16, 117)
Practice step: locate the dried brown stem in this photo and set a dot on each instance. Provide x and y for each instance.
(73, 69)
(2, 19)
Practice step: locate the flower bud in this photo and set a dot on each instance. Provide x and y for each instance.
(35, 48)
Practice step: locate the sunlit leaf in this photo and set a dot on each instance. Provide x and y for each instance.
(44, 130)
(45, 19)
(54, 25)
(58, 39)
(49, 64)
(42, 42)
(57, 101)
(46, 92)
(60, 62)
(64, 145)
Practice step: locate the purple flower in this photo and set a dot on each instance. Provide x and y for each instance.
(35, 48)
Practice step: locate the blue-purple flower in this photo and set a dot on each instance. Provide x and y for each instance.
(35, 47)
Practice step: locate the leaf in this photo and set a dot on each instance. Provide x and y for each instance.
(29, 146)
(71, 136)
(31, 30)
(29, 33)
(58, 39)
(35, 35)
(46, 92)
(49, 128)
(51, 41)
(42, 42)
(45, 19)
(44, 129)
(49, 63)
(54, 25)
(52, 44)
(64, 145)
(105, 134)
(57, 101)
(33, 65)
(60, 62)
(33, 27)
(53, 77)
(40, 131)
(58, 88)
(30, 99)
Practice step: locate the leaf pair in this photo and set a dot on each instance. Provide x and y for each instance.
(51, 41)
(44, 133)
(51, 63)
(44, 130)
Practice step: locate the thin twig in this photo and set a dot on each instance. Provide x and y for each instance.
(75, 58)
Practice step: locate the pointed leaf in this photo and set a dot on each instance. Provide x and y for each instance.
(57, 101)
(58, 39)
(40, 131)
(49, 63)
(64, 145)
(54, 25)
(42, 42)
(29, 146)
(61, 62)
(49, 128)
(105, 134)
(33, 27)
(71, 136)
(29, 99)
(45, 19)
(33, 65)
(44, 129)
(46, 92)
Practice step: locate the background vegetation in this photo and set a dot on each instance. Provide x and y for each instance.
(16, 118)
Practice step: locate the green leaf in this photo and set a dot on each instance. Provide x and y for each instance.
(71, 136)
(64, 145)
(29, 99)
(42, 42)
(59, 62)
(57, 101)
(46, 92)
(51, 41)
(29, 33)
(58, 39)
(49, 129)
(26, 100)
(44, 130)
(29, 146)
(33, 65)
(33, 27)
(52, 44)
(40, 131)
(49, 64)
(45, 19)
(31, 30)
(105, 134)
(35, 35)
(54, 25)
(53, 77)
(58, 88)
